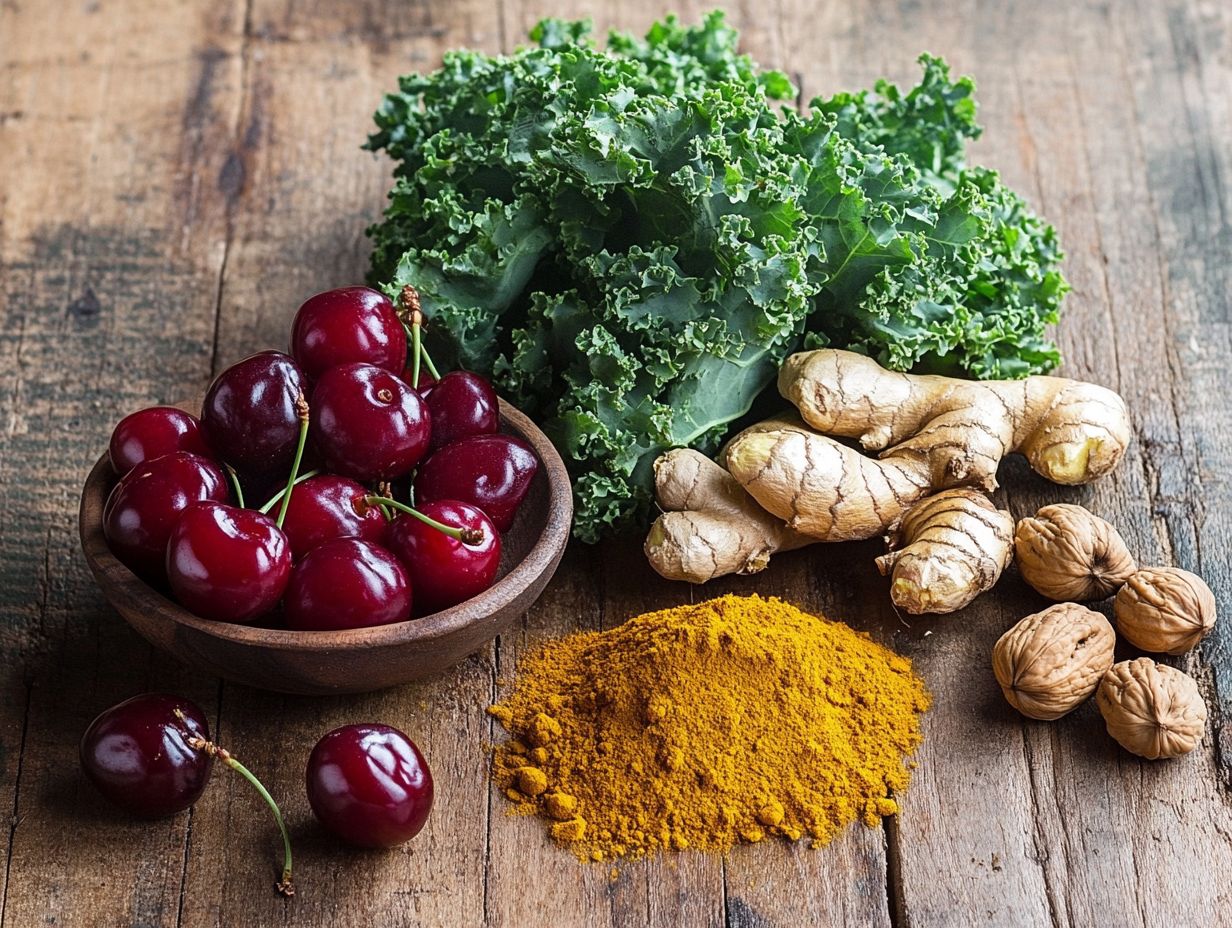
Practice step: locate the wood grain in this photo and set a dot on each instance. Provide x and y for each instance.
(179, 176)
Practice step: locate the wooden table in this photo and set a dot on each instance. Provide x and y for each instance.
(175, 177)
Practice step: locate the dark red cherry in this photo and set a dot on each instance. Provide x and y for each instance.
(370, 785)
(347, 583)
(226, 563)
(367, 423)
(138, 756)
(150, 433)
(350, 325)
(492, 472)
(462, 404)
(327, 507)
(249, 413)
(146, 504)
(443, 570)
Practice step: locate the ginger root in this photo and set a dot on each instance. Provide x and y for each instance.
(946, 551)
(957, 431)
(712, 527)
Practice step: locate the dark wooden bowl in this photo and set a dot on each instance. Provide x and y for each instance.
(356, 660)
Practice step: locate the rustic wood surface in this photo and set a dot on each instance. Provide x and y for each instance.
(175, 177)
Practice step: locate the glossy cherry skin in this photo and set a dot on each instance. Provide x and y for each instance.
(426, 381)
(443, 570)
(367, 423)
(492, 472)
(462, 404)
(150, 433)
(146, 504)
(349, 325)
(327, 507)
(347, 583)
(137, 754)
(370, 785)
(249, 412)
(226, 563)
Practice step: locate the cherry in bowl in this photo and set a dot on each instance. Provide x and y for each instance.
(347, 583)
(445, 570)
(461, 404)
(152, 432)
(492, 472)
(350, 325)
(369, 785)
(327, 507)
(250, 414)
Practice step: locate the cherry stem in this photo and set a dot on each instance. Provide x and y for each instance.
(273, 500)
(413, 310)
(235, 483)
(416, 347)
(468, 536)
(285, 886)
(301, 409)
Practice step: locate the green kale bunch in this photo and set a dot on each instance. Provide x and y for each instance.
(629, 239)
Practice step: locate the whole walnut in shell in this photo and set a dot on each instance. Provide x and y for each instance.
(1165, 609)
(1069, 554)
(1050, 662)
(1152, 710)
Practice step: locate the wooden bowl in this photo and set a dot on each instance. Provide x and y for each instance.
(355, 660)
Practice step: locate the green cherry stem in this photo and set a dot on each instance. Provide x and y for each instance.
(427, 360)
(301, 409)
(416, 346)
(413, 310)
(285, 886)
(468, 536)
(273, 500)
(235, 484)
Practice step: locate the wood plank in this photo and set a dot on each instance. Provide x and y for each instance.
(110, 246)
(303, 194)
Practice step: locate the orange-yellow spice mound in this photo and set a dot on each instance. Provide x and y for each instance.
(703, 726)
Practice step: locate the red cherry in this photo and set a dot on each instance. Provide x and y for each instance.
(369, 785)
(326, 507)
(249, 413)
(462, 404)
(150, 433)
(146, 504)
(227, 564)
(347, 583)
(137, 754)
(492, 472)
(348, 326)
(443, 570)
(367, 423)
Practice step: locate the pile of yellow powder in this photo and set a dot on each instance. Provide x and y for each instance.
(707, 725)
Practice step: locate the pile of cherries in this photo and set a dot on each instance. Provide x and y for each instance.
(343, 550)
(152, 756)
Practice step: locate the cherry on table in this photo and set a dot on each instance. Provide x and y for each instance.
(462, 404)
(493, 472)
(327, 507)
(150, 433)
(147, 503)
(249, 414)
(445, 571)
(137, 754)
(370, 785)
(226, 563)
(347, 583)
(367, 423)
(347, 326)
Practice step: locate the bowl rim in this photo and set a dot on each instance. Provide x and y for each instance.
(123, 584)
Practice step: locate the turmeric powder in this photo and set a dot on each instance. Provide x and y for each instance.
(706, 725)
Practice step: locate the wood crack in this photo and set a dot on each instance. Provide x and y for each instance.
(14, 820)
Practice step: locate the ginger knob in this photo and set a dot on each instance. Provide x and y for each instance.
(1071, 555)
(1165, 609)
(1050, 662)
(1152, 710)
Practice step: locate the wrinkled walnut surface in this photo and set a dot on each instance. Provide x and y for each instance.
(1071, 555)
(1165, 609)
(1152, 710)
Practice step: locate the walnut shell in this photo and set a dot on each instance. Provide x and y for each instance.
(1165, 609)
(1152, 710)
(1071, 555)
(1051, 661)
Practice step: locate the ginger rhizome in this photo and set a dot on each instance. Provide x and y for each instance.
(712, 527)
(946, 551)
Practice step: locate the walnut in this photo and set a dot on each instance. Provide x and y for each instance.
(1152, 710)
(1165, 609)
(1069, 554)
(1051, 661)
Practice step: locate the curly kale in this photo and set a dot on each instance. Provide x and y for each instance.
(630, 239)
